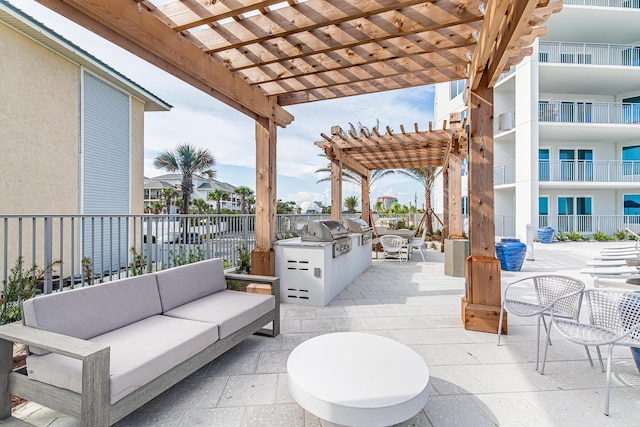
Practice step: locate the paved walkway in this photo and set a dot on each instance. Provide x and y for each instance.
(473, 381)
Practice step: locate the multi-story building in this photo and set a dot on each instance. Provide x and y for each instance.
(567, 124)
(202, 186)
(386, 201)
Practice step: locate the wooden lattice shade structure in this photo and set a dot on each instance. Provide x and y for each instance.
(260, 56)
(364, 152)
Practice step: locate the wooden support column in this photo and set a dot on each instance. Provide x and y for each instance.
(336, 190)
(445, 204)
(366, 202)
(481, 304)
(263, 256)
(455, 198)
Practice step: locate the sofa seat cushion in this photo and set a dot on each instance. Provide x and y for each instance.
(94, 310)
(231, 310)
(186, 283)
(140, 352)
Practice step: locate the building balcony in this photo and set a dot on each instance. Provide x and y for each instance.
(599, 171)
(589, 54)
(559, 171)
(629, 4)
(618, 113)
(589, 224)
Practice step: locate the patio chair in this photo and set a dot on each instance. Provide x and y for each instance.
(418, 242)
(391, 246)
(541, 292)
(614, 319)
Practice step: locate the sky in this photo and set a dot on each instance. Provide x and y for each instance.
(205, 122)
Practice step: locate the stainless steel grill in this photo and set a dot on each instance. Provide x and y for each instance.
(359, 226)
(327, 231)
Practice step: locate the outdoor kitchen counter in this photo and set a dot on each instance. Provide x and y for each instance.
(310, 275)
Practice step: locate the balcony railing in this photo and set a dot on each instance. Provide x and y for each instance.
(504, 174)
(589, 224)
(621, 113)
(589, 53)
(589, 171)
(635, 4)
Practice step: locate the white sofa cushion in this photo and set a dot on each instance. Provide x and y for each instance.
(181, 285)
(140, 352)
(94, 310)
(231, 310)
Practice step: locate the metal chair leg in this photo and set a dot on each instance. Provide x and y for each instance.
(608, 387)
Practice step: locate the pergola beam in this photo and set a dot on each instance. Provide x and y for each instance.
(136, 30)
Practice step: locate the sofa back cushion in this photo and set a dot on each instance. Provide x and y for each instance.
(94, 310)
(181, 285)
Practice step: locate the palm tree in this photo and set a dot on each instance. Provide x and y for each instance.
(351, 203)
(188, 160)
(201, 206)
(169, 194)
(155, 207)
(426, 177)
(218, 195)
(245, 193)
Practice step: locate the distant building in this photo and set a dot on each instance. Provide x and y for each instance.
(310, 208)
(202, 186)
(386, 201)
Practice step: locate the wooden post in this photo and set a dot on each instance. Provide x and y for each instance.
(263, 256)
(445, 205)
(481, 304)
(336, 190)
(366, 202)
(455, 198)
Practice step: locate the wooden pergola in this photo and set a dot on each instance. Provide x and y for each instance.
(260, 56)
(364, 152)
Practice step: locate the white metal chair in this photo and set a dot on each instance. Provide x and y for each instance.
(391, 246)
(537, 298)
(614, 319)
(418, 242)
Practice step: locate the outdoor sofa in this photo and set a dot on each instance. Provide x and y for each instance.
(99, 352)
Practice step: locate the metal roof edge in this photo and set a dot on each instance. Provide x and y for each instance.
(25, 24)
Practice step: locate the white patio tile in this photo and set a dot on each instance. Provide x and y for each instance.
(217, 417)
(284, 415)
(195, 392)
(244, 390)
(272, 362)
(233, 364)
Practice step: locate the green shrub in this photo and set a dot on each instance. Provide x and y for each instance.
(138, 263)
(561, 236)
(20, 285)
(402, 224)
(183, 256)
(602, 237)
(623, 235)
(87, 269)
(574, 236)
(244, 260)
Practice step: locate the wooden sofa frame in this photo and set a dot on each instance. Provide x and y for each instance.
(93, 406)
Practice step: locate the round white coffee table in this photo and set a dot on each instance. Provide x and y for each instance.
(357, 379)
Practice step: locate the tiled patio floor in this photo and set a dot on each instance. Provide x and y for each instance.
(473, 381)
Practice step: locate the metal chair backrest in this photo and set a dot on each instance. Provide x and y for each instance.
(391, 241)
(615, 311)
(551, 287)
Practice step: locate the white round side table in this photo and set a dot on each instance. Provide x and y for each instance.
(357, 379)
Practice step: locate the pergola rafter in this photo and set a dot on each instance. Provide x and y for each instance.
(259, 56)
